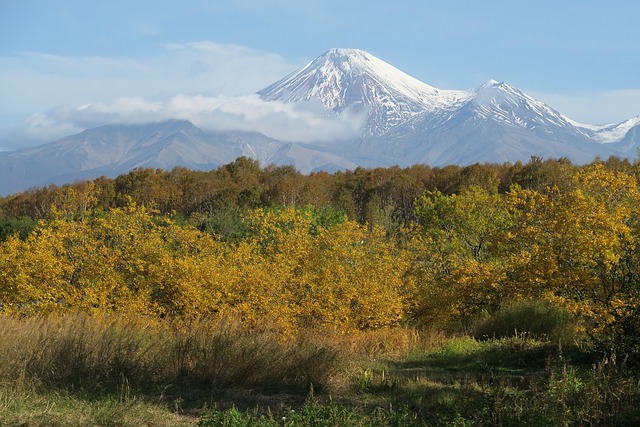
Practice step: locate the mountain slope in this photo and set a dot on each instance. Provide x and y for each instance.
(498, 123)
(111, 150)
(608, 133)
(629, 146)
(407, 122)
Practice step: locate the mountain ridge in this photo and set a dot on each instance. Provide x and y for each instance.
(407, 122)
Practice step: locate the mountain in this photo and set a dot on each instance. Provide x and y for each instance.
(498, 123)
(412, 122)
(353, 80)
(111, 150)
(407, 122)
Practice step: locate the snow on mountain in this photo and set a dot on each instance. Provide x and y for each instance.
(411, 121)
(353, 80)
(514, 108)
(608, 133)
(497, 123)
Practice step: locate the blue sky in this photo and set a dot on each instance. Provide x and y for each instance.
(69, 65)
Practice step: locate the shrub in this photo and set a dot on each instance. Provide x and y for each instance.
(536, 318)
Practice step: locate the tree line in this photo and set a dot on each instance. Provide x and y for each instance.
(366, 195)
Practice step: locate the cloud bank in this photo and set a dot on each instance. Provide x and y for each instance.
(34, 83)
(302, 122)
(204, 82)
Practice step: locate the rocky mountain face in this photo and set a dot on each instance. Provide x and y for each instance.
(407, 122)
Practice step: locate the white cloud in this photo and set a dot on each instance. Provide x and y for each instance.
(605, 107)
(304, 122)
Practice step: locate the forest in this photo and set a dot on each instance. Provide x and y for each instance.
(370, 252)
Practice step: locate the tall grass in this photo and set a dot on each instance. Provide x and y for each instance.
(80, 369)
(53, 367)
(102, 353)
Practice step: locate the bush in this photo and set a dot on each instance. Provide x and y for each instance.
(536, 318)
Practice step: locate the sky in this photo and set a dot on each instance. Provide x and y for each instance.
(68, 65)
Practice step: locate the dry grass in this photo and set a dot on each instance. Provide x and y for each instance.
(125, 362)
(80, 369)
(102, 353)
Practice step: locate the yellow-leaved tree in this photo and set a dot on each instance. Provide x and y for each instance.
(577, 247)
(124, 259)
(462, 254)
(578, 243)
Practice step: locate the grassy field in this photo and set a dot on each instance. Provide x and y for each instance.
(79, 370)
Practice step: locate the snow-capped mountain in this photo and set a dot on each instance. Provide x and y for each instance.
(407, 122)
(353, 80)
(410, 121)
(498, 123)
(608, 133)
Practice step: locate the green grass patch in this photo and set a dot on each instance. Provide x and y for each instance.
(33, 408)
(507, 381)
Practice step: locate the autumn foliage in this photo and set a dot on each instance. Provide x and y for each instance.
(358, 250)
(287, 273)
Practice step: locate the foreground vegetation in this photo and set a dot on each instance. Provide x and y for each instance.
(75, 370)
(487, 295)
